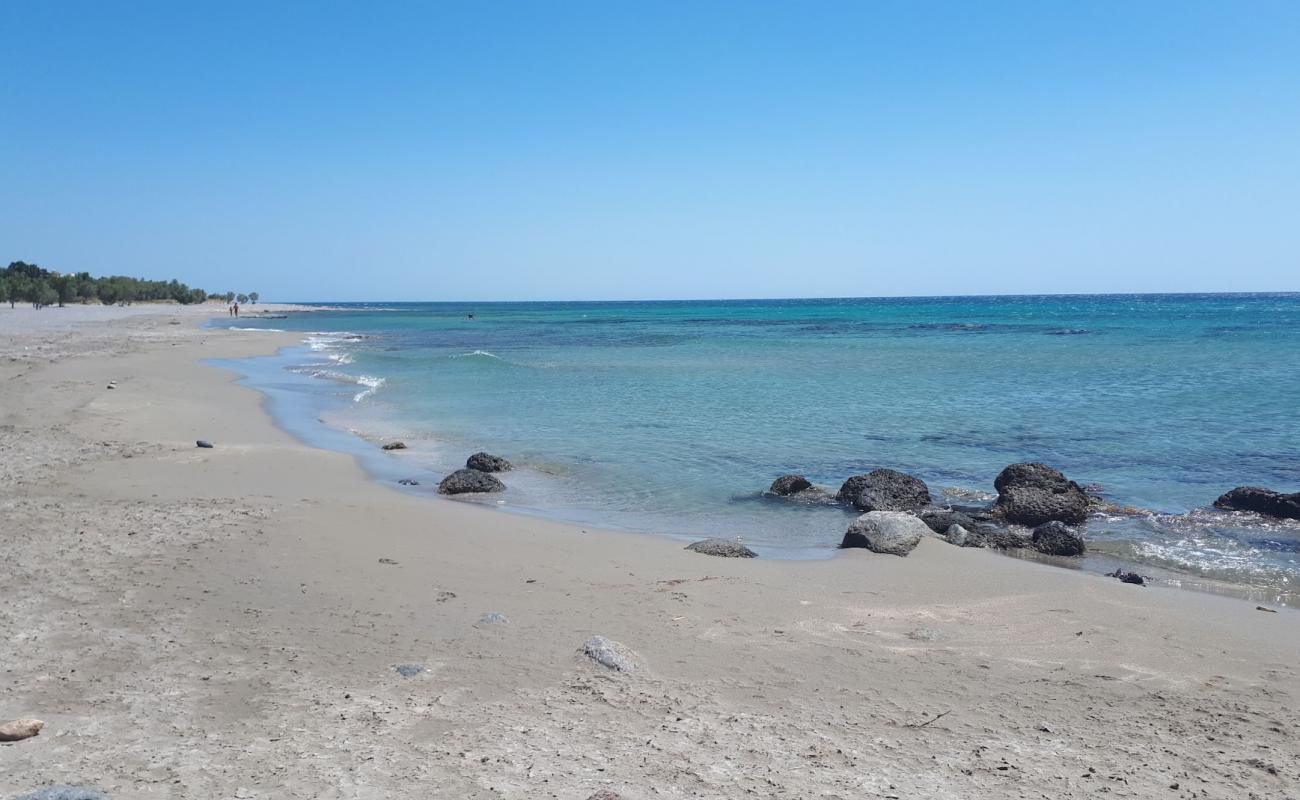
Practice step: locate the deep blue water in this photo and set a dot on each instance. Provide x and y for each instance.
(670, 417)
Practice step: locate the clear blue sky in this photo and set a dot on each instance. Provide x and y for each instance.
(497, 150)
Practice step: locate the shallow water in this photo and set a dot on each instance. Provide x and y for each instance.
(671, 417)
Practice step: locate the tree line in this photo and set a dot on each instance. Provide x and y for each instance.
(21, 282)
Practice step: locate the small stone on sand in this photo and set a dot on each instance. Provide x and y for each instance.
(20, 729)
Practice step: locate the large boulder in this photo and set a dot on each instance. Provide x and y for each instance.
(1055, 539)
(726, 548)
(885, 490)
(891, 532)
(1032, 494)
(787, 485)
(1261, 501)
(485, 462)
(467, 481)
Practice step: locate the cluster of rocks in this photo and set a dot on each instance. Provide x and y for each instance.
(1260, 501)
(1035, 509)
(476, 477)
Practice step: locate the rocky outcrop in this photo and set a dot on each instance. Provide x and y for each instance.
(1032, 494)
(891, 532)
(1055, 539)
(885, 490)
(486, 462)
(468, 481)
(787, 485)
(1261, 501)
(724, 548)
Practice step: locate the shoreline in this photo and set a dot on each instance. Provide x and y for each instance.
(385, 469)
(249, 588)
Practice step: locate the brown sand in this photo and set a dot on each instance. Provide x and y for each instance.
(221, 623)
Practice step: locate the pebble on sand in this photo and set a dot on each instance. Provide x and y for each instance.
(409, 670)
(20, 729)
(725, 548)
(609, 653)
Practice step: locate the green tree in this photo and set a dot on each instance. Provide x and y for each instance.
(4, 292)
(253, 297)
(44, 295)
(243, 298)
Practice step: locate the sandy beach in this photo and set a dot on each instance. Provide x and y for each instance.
(228, 623)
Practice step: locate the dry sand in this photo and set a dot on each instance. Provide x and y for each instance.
(226, 623)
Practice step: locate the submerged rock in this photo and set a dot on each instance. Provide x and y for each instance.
(1055, 539)
(609, 653)
(789, 484)
(885, 490)
(395, 446)
(891, 532)
(1032, 474)
(468, 481)
(485, 462)
(726, 548)
(1261, 501)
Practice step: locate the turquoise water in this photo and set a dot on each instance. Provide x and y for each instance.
(671, 417)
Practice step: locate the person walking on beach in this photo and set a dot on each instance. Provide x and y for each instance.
(236, 308)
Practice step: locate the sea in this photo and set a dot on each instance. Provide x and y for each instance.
(673, 417)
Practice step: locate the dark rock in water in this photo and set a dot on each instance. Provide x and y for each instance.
(940, 520)
(467, 481)
(1031, 494)
(409, 482)
(395, 446)
(789, 484)
(1127, 577)
(1032, 474)
(1261, 501)
(64, 793)
(1008, 538)
(409, 670)
(726, 548)
(1055, 539)
(891, 532)
(203, 443)
(609, 653)
(885, 490)
(484, 462)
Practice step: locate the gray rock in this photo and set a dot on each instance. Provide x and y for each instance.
(609, 653)
(395, 446)
(64, 793)
(494, 618)
(409, 670)
(958, 535)
(1261, 501)
(891, 532)
(485, 462)
(466, 481)
(1055, 539)
(203, 443)
(940, 520)
(726, 548)
(885, 490)
(789, 484)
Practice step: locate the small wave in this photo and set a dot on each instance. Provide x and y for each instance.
(479, 354)
(1068, 332)
(372, 385)
(269, 330)
(341, 358)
